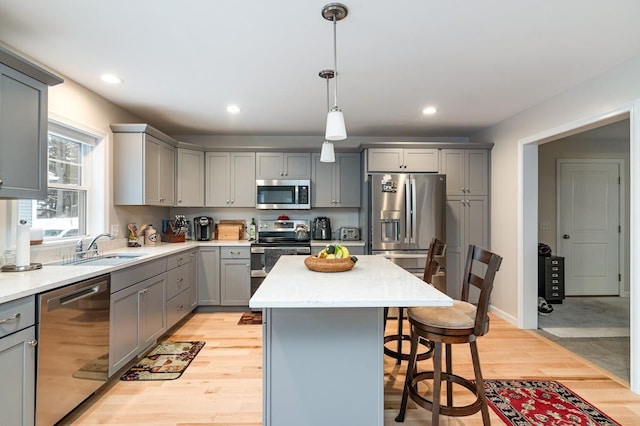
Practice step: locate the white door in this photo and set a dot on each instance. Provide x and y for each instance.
(588, 232)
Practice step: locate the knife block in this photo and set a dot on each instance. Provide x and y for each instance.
(169, 237)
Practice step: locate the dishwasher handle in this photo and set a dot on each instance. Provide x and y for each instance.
(76, 294)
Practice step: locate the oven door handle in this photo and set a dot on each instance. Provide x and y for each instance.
(258, 274)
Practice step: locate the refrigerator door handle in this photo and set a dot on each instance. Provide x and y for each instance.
(408, 233)
(414, 224)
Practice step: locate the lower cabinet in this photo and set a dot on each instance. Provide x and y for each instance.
(179, 287)
(17, 369)
(235, 276)
(208, 276)
(137, 320)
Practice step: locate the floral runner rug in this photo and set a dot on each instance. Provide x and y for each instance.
(167, 361)
(541, 402)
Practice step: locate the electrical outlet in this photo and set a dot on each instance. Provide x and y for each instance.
(545, 225)
(115, 230)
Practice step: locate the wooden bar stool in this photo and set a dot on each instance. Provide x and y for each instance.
(432, 267)
(460, 323)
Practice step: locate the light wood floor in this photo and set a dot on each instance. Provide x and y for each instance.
(223, 385)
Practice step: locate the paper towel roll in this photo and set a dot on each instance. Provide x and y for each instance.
(37, 236)
(23, 243)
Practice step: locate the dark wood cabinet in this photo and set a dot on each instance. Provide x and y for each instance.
(551, 278)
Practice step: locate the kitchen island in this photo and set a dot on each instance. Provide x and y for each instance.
(323, 339)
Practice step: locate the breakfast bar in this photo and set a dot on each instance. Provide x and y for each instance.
(323, 339)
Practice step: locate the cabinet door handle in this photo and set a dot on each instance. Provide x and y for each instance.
(566, 236)
(179, 282)
(1, 182)
(179, 201)
(11, 318)
(33, 343)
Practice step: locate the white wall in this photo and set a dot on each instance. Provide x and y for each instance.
(514, 188)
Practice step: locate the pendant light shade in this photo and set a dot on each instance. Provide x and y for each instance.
(327, 155)
(336, 130)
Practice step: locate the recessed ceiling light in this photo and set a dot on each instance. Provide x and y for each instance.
(233, 109)
(429, 110)
(111, 79)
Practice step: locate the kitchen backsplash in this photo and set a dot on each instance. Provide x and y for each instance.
(339, 217)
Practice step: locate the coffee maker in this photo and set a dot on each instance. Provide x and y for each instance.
(321, 228)
(203, 228)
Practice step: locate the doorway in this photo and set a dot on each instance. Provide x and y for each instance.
(529, 224)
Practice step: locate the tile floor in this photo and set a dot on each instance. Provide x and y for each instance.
(584, 316)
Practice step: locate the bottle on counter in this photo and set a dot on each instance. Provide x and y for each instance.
(150, 236)
(252, 229)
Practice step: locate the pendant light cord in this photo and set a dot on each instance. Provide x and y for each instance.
(335, 63)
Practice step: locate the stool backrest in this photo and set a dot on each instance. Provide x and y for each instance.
(479, 259)
(436, 249)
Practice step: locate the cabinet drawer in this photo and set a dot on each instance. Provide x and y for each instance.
(178, 259)
(177, 308)
(235, 252)
(17, 314)
(123, 278)
(178, 279)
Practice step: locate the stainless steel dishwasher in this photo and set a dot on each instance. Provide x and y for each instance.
(73, 347)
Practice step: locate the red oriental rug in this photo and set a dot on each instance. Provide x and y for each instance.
(541, 402)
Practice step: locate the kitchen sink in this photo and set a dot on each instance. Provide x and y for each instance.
(110, 259)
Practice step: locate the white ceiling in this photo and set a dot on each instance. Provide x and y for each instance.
(182, 62)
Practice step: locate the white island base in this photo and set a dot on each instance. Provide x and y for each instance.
(323, 339)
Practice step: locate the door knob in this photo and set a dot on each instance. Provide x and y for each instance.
(566, 236)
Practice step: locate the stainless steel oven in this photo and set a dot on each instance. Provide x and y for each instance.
(275, 238)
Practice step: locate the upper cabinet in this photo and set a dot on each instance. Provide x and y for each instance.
(23, 127)
(190, 178)
(467, 171)
(398, 160)
(336, 184)
(230, 179)
(279, 165)
(143, 166)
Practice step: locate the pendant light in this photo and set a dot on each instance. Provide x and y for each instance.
(327, 155)
(335, 130)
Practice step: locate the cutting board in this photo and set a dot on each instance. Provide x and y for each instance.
(230, 230)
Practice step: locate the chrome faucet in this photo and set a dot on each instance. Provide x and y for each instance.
(93, 246)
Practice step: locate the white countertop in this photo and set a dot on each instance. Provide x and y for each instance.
(373, 282)
(14, 285)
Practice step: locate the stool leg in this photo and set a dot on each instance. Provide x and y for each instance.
(447, 349)
(400, 324)
(386, 314)
(480, 384)
(411, 368)
(437, 383)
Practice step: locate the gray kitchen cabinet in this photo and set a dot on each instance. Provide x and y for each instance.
(143, 166)
(190, 178)
(18, 362)
(230, 179)
(403, 160)
(467, 223)
(467, 171)
(336, 184)
(137, 316)
(23, 127)
(235, 276)
(193, 270)
(178, 287)
(208, 274)
(283, 165)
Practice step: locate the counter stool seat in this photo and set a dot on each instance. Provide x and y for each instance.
(432, 267)
(461, 323)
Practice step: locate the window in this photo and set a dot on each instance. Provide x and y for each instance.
(62, 214)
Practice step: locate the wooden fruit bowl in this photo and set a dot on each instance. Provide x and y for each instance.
(328, 265)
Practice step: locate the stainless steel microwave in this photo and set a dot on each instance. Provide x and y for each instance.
(283, 194)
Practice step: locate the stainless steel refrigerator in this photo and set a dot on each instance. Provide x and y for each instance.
(405, 212)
